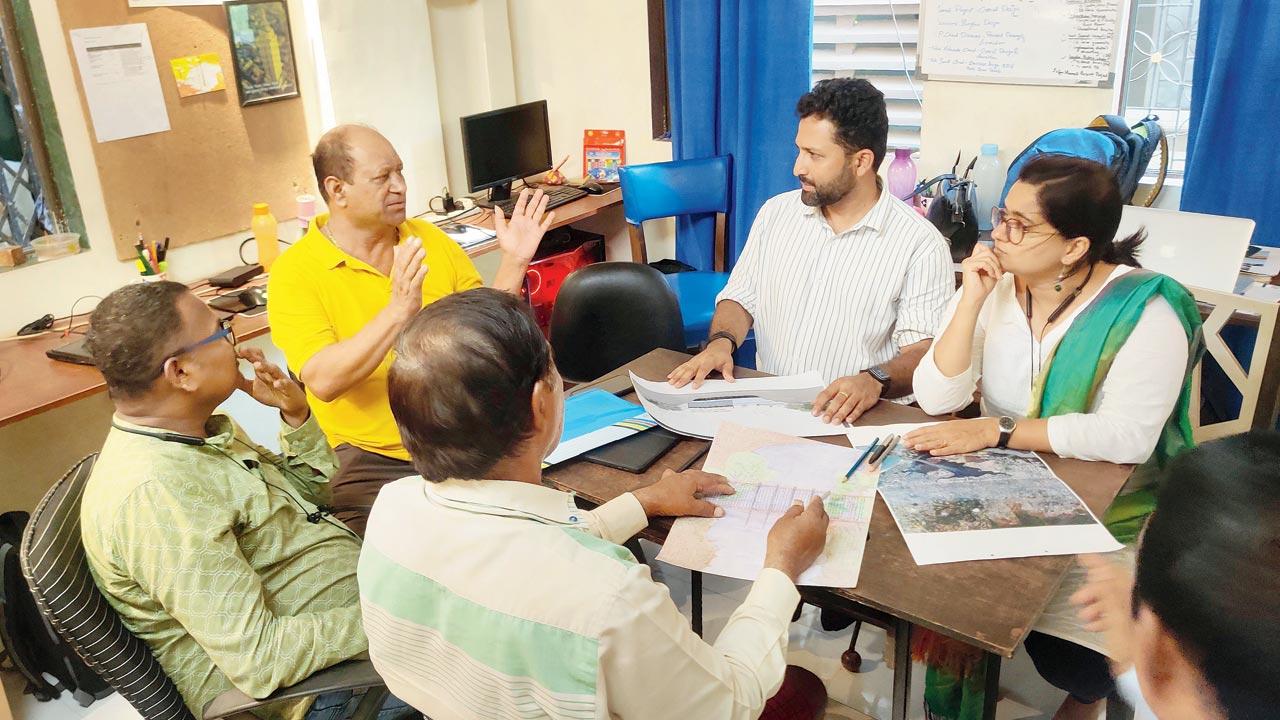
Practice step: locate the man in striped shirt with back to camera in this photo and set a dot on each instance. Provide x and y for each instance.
(839, 276)
(488, 595)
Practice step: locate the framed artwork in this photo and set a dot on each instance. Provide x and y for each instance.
(262, 50)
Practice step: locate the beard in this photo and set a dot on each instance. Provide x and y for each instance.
(830, 193)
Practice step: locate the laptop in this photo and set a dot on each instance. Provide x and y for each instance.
(72, 352)
(1195, 249)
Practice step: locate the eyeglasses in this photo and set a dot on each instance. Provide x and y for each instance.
(1014, 229)
(224, 331)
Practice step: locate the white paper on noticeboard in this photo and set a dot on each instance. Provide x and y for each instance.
(121, 82)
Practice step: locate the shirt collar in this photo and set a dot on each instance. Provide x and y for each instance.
(507, 498)
(875, 217)
(331, 256)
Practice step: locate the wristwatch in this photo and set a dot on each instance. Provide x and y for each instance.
(722, 334)
(881, 376)
(1007, 426)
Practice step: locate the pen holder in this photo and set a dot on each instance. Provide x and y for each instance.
(161, 274)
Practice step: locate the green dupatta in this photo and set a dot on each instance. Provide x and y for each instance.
(956, 674)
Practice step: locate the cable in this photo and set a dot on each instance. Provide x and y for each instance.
(893, 13)
(250, 239)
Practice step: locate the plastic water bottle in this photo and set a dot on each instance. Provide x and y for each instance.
(988, 175)
(266, 232)
(902, 174)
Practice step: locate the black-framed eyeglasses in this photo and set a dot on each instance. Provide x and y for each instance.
(1015, 230)
(224, 331)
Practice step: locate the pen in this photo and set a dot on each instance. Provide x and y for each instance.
(889, 444)
(164, 249)
(861, 457)
(142, 256)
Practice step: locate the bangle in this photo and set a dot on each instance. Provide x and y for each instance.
(722, 334)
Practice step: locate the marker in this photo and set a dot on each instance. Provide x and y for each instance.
(889, 444)
(861, 457)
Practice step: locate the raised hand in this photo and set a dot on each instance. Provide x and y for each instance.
(519, 236)
(273, 387)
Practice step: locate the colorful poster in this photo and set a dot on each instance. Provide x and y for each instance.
(983, 505)
(198, 74)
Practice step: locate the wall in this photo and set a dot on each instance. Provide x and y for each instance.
(381, 72)
(525, 51)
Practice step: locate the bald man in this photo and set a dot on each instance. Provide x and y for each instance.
(341, 294)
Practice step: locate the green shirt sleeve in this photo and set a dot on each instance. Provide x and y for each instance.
(180, 547)
(308, 455)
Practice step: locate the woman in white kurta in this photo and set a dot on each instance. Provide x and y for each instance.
(1072, 349)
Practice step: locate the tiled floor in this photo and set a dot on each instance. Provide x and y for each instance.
(853, 696)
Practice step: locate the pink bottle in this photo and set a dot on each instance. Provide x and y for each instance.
(902, 173)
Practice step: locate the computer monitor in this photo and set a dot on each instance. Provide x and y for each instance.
(502, 146)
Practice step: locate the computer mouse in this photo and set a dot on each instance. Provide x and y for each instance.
(252, 297)
(591, 187)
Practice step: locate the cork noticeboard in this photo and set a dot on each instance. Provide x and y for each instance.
(199, 180)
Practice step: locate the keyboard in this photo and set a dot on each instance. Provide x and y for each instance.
(556, 196)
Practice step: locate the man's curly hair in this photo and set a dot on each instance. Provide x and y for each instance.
(857, 110)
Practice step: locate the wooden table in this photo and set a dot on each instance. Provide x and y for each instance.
(31, 383)
(991, 605)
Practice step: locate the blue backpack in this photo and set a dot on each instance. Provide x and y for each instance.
(1107, 140)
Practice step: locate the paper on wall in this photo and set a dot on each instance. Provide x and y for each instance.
(121, 82)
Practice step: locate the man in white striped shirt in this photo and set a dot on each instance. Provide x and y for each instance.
(840, 276)
(487, 595)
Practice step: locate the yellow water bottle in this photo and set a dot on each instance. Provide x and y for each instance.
(266, 232)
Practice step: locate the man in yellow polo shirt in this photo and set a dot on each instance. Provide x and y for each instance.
(341, 294)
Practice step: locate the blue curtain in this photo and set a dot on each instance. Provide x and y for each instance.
(1231, 167)
(736, 69)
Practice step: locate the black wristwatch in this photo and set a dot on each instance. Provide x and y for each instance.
(881, 376)
(722, 334)
(1007, 426)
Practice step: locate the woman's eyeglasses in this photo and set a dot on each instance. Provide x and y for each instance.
(1015, 230)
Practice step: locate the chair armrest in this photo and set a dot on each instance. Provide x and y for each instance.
(349, 675)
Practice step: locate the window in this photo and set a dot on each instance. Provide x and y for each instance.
(1156, 70)
(875, 41)
(659, 95)
(30, 205)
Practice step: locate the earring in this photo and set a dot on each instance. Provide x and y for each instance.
(1062, 275)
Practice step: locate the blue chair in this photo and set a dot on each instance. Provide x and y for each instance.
(674, 189)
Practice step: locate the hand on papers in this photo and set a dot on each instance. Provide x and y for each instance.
(955, 437)
(407, 273)
(273, 387)
(797, 538)
(982, 271)
(519, 236)
(1105, 605)
(847, 398)
(681, 494)
(715, 357)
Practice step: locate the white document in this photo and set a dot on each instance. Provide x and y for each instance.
(985, 505)
(174, 3)
(1265, 263)
(121, 83)
(771, 471)
(1263, 291)
(468, 236)
(782, 404)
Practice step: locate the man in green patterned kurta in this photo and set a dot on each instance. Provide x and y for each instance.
(217, 553)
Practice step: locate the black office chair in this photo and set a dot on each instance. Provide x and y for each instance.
(609, 314)
(54, 563)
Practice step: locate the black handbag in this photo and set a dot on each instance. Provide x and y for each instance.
(951, 210)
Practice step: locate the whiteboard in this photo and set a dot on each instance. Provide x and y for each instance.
(1035, 42)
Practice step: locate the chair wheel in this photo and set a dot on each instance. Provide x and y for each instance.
(851, 660)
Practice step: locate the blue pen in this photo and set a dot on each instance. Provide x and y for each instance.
(862, 457)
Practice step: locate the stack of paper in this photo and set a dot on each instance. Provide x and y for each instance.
(783, 404)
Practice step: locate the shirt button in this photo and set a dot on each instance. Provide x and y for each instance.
(573, 518)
